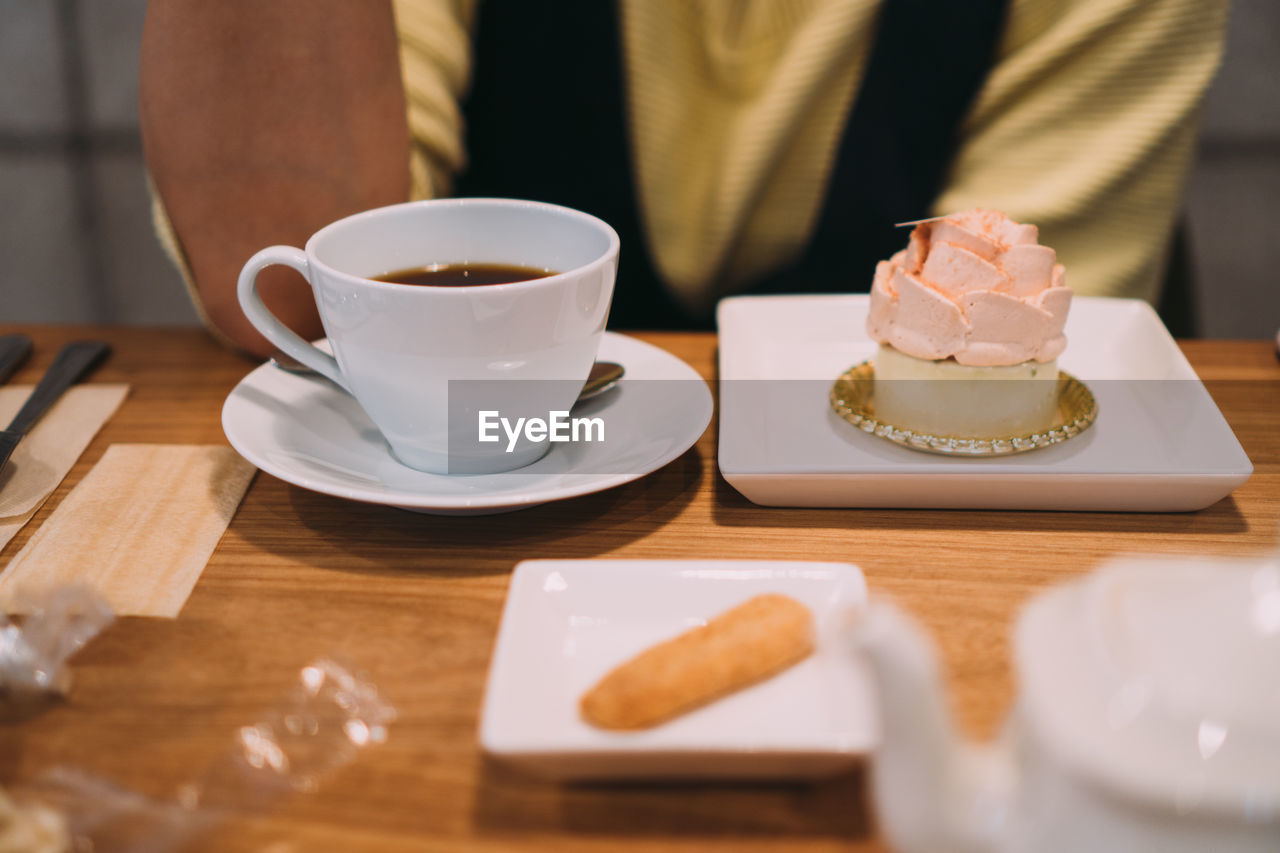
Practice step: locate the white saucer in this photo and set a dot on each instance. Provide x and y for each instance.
(567, 622)
(308, 432)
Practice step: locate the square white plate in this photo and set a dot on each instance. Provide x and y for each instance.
(1160, 444)
(568, 622)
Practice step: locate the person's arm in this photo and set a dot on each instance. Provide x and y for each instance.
(263, 121)
(1086, 126)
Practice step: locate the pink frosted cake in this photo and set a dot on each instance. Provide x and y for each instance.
(972, 299)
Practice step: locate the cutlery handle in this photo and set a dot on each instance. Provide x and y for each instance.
(71, 363)
(14, 350)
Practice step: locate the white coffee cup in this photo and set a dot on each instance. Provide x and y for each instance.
(397, 347)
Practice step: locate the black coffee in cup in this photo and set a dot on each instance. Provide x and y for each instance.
(463, 275)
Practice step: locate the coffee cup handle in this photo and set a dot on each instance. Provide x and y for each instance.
(270, 327)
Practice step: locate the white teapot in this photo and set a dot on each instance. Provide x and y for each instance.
(1148, 720)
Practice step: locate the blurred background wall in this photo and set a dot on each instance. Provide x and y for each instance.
(76, 243)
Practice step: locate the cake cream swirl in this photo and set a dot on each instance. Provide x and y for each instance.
(973, 286)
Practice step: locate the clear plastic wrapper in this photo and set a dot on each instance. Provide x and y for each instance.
(328, 717)
(323, 723)
(34, 651)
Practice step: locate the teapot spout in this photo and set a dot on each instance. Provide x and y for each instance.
(932, 791)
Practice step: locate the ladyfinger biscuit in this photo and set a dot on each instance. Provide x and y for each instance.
(758, 638)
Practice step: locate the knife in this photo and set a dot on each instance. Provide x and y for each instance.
(72, 362)
(14, 350)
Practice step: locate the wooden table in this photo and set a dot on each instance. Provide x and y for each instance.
(415, 600)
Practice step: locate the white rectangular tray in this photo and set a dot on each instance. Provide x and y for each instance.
(1160, 444)
(568, 622)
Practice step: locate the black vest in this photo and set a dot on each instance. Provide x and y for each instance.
(546, 120)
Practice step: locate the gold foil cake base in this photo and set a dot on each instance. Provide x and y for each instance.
(853, 398)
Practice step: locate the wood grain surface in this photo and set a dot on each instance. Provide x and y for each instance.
(415, 600)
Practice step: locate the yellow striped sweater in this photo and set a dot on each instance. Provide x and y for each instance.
(1085, 125)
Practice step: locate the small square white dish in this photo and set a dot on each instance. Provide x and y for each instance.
(1159, 444)
(568, 622)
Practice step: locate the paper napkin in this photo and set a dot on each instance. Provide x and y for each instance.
(138, 529)
(46, 454)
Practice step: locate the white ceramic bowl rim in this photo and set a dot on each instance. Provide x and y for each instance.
(330, 231)
(1080, 660)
